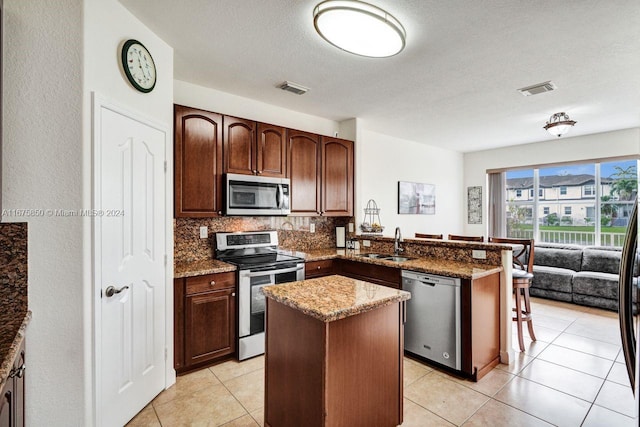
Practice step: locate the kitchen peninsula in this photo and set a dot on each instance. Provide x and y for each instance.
(334, 352)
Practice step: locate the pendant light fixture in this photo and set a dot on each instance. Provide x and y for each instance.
(559, 124)
(359, 28)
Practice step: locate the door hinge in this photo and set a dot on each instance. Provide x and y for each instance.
(166, 354)
(165, 260)
(165, 166)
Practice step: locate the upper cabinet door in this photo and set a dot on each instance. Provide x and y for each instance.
(271, 151)
(337, 177)
(304, 172)
(239, 146)
(198, 162)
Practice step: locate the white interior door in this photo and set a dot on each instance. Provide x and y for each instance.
(130, 263)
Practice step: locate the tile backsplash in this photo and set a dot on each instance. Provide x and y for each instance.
(293, 233)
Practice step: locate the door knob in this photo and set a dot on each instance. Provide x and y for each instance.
(111, 291)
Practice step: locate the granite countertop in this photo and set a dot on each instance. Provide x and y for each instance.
(443, 267)
(440, 266)
(333, 298)
(12, 331)
(200, 267)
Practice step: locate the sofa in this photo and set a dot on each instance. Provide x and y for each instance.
(585, 275)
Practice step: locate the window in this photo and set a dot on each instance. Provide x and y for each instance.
(572, 213)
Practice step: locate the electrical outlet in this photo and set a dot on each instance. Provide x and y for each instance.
(350, 227)
(312, 227)
(478, 254)
(204, 232)
(366, 243)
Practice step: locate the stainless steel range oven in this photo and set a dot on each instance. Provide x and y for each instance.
(259, 264)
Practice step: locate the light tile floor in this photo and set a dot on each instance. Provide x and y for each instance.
(573, 375)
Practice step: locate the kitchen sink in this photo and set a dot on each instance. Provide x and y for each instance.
(374, 256)
(397, 258)
(394, 258)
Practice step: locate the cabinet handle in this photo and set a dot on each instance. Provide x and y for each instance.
(318, 267)
(213, 282)
(233, 294)
(219, 212)
(259, 172)
(17, 372)
(255, 171)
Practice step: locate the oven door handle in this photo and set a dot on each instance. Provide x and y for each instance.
(269, 272)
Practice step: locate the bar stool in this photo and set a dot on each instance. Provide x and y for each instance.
(522, 277)
(466, 238)
(429, 236)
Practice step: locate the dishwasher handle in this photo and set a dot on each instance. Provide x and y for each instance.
(427, 283)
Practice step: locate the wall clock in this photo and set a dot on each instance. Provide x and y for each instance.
(138, 66)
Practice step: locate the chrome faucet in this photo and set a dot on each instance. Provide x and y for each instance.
(396, 243)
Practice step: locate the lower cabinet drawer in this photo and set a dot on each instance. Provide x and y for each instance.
(318, 268)
(210, 282)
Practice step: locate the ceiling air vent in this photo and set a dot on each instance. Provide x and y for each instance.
(293, 87)
(537, 88)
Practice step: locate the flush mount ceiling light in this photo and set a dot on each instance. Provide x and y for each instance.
(559, 124)
(359, 28)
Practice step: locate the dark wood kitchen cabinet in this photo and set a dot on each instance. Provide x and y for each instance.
(12, 394)
(321, 173)
(253, 148)
(205, 320)
(304, 172)
(337, 177)
(198, 162)
(378, 274)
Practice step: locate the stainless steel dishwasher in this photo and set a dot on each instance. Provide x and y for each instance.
(432, 329)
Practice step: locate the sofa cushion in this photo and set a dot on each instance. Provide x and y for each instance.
(596, 284)
(563, 256)
(552, 278)
(601, 259)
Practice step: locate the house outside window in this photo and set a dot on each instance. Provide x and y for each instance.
(518, 193)
(571, 211)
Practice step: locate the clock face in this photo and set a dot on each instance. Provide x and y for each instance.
(138, 66)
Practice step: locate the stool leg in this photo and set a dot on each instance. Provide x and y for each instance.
(527, 307)
(519, 319)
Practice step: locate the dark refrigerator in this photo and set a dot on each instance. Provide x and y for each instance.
(628, 292)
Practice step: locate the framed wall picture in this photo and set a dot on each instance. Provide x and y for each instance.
(416, 198)
(474, 205)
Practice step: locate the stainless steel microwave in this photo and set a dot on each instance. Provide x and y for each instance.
(257, 195)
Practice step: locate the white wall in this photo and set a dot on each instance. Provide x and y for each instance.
(217, 101)
(55, 53)
(384, 160)
(589, 147)
(42, 169)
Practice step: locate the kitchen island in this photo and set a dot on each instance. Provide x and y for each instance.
(334, 353)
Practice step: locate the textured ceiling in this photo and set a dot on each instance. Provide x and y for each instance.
(453, 86)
